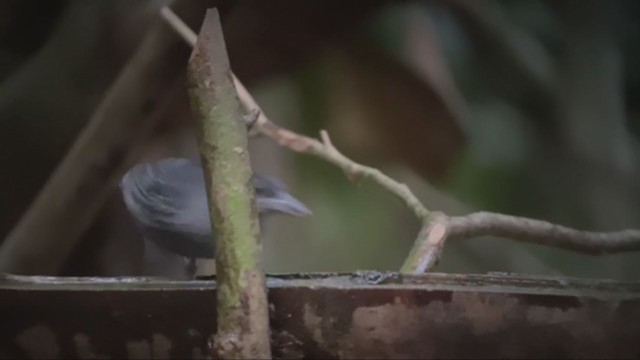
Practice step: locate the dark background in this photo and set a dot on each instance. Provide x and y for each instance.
(523, 107)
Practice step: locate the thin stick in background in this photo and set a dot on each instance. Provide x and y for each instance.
(70, 200)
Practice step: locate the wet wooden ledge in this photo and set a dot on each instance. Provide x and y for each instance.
(325, 315)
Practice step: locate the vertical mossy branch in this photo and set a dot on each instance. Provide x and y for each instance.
(243, 324)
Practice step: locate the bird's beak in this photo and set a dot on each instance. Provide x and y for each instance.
(285, 203)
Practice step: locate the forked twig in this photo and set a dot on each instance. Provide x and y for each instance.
(436, 227)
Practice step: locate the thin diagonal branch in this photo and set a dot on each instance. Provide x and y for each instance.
(73, 195)
(326, 150)
(437, 227)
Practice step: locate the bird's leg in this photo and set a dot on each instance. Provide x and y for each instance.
(192, 268)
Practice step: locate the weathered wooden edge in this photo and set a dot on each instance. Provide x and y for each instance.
(327, 315)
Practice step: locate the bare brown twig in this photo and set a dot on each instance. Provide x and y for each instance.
(436, 226)
(543, 232)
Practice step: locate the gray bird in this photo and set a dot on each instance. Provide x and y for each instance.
(168, 201)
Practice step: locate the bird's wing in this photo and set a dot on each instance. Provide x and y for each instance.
(167, 194)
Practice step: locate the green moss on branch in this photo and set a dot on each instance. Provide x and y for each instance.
(243, 328)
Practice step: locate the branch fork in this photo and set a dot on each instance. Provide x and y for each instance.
(437, 227)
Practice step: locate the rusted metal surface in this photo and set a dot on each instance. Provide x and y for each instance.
(362, 315)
